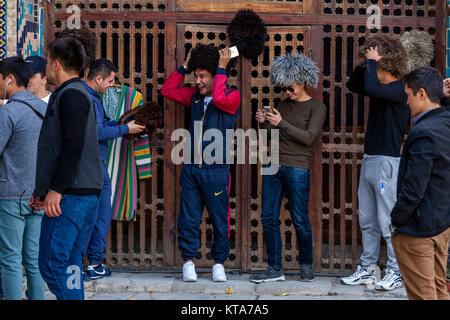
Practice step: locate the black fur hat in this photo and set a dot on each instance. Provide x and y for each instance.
(206, 57)
(248, 33)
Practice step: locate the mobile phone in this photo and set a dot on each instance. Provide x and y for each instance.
(234, 52)
(267, 108)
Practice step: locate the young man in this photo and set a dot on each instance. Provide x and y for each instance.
(38, 80)
(421, 215)
(214, 105)
(101, 77)
(20, 123)
(386, 126)
(68, 172)
(299, 119)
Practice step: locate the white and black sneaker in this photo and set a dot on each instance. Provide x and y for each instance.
(390, 281)
(361, 276)
(268, 275)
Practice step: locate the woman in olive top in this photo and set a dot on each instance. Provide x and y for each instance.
(299, 119)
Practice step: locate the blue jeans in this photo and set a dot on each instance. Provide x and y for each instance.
(95, 240)
(19, 244)
(295, 183)
(60, 259)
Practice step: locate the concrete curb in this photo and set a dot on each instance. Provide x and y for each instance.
(237, 286)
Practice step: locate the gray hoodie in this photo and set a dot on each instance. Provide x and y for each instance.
(19, 134)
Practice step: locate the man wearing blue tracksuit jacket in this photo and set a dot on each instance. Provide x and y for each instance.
(101, 76)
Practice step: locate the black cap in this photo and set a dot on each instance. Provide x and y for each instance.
(36, 64)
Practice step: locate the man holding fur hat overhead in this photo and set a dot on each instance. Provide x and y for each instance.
(214, 105)
(379, 76)
(299, 119)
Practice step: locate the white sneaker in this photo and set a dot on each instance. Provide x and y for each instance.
(218, 273)
(360, 276)
(189, 274)
(390, 281)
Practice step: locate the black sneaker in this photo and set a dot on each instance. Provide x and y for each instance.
(98, 272)
(268, 275)
(306, 273)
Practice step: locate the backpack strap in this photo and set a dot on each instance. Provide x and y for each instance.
(29, 105)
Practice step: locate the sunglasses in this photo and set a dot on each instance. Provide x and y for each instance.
(290, 89)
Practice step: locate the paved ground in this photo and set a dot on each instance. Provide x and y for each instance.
(157, 286)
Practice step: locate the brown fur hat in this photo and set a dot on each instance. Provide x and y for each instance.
(149, 115)
(394, 57)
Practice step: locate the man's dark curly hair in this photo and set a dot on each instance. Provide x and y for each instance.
(248, 33)
(394, 57)
(206, 57)
(87, 38)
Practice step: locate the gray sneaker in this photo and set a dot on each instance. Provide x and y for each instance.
(306, 273)
(268, 275)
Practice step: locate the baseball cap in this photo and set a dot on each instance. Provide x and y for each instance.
(36, 64)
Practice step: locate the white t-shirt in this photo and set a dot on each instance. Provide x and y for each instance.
(46, 98)
(206, 102)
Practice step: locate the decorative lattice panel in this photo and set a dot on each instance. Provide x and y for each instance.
(189, 36)
(280, 41)
(342, 150)
(137, 48)
(113, 5)
(408, 8)
(297, 6)
(157, 34)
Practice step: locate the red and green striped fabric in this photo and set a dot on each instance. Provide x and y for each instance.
(127, 162)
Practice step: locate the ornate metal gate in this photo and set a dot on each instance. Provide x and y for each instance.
(149, 39)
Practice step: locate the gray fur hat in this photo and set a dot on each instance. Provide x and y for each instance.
(294, 68)
(419, 47)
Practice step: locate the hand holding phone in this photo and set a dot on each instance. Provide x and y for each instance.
(267, 108)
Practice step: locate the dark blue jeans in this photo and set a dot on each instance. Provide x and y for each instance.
(294, 182)
(60, 246)
(95, 240)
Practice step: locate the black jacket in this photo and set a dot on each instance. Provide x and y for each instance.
(423, 190)
(68, 159)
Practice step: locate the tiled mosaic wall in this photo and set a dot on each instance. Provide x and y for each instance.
(29, 28)
(21, 26)
(3, 24)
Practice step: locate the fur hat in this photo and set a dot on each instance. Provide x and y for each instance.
(248, 33)
(392, 51)
(149, 115)
(206, 57)
(86, 37)
(419, 47)
(294, 68)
